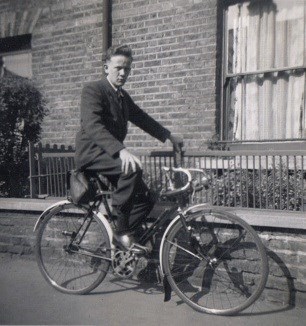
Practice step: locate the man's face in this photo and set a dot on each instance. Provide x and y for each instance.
(118, 69)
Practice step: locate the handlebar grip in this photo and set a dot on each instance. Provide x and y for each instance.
(178, 155)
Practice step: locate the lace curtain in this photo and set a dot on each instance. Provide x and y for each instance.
(266, 61)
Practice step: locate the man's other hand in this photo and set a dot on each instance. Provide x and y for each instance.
(128, 159)
(177, 142)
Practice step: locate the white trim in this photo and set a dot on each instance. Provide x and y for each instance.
(47, 210)
(162, 245)
(107, 227)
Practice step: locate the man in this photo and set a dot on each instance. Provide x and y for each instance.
(105, 111)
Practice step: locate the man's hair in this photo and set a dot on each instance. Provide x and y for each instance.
(119, 50)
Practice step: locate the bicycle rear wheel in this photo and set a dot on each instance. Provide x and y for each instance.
(217, 264)
(69, 244)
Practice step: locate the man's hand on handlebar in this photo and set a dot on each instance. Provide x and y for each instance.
(177, 142)
(131, 161)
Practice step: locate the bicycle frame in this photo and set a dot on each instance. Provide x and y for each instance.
(196, 250)
(150, 231)
(174, 213)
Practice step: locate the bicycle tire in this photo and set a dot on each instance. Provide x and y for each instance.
(71, 271)
(233, 273)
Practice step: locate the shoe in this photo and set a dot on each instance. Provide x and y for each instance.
(125, 240)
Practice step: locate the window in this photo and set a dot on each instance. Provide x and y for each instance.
(264, 71)
(16, 56)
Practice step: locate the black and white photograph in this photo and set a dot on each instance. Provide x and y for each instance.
(153, 162)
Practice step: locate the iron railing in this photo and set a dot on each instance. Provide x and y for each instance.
(251, 179)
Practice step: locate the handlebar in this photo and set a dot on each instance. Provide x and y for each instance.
(185, 187)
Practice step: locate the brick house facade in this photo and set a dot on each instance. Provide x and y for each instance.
(175, 60)
(176, 78)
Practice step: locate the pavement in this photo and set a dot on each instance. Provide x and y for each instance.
(26, 299)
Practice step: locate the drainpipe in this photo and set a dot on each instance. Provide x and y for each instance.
(107, 25)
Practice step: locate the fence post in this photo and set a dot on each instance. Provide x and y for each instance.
(39, 168)
(33, 184)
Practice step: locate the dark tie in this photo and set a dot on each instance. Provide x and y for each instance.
(120, 96)
(120, 100)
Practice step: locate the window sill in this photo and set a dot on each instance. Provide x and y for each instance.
(295, 146)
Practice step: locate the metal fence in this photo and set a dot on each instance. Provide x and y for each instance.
(253, 179)
(48, 167)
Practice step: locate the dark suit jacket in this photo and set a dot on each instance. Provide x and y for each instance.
(104, 123)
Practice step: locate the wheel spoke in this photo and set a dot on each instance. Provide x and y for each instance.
(186, 250)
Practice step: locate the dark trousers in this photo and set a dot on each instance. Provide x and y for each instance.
(131, 200)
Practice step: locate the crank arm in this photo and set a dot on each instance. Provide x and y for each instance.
(85, 252)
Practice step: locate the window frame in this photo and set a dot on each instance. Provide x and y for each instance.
(16, 45)
(225, 96)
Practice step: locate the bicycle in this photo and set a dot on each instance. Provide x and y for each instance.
(212, 259)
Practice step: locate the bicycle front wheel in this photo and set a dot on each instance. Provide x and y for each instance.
(216, 263)
(72, 249)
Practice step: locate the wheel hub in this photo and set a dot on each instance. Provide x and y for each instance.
(70, 249)
(213, 262)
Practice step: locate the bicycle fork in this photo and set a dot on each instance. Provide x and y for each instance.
(195, 242)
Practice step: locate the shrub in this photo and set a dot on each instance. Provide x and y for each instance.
(22, 109)
(278, 188)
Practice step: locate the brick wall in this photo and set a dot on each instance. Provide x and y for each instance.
(67, 51)
(175, 64)
(16, 233)
(286, 251)
(174, 69)
(287, 268)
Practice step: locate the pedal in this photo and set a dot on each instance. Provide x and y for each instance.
(138, 249)
(124, 263)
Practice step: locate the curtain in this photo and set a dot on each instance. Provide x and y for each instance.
(265, 40)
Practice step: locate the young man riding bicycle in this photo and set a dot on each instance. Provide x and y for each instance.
(106, 109)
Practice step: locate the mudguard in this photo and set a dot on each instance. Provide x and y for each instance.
(46, 212)
(167, 289)
(190, 210)
(64, 202)
(108, 227)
